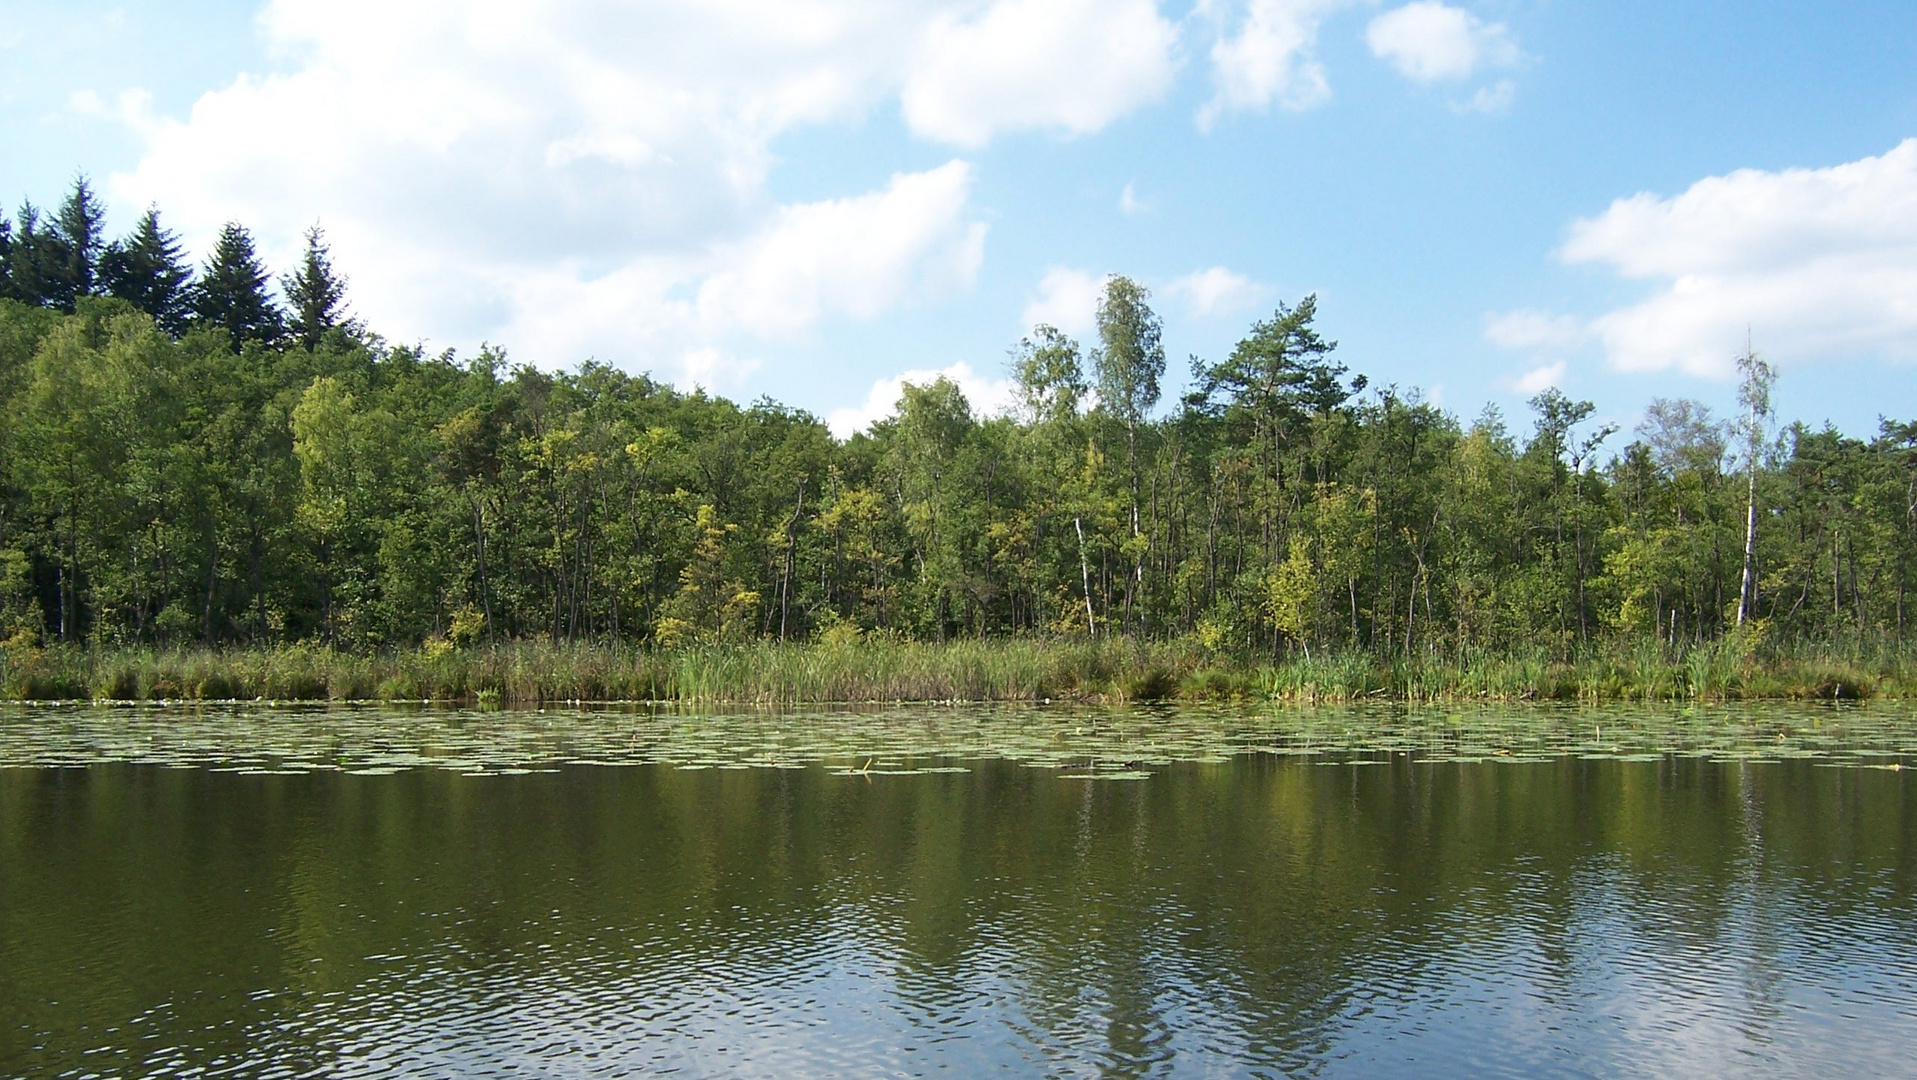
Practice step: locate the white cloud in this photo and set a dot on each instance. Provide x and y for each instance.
(988, 397)
(683, 314)
(1818, 263)
(1214, 292)
(1067, 299)
(1490, 100)
(589, 177)
(1429, 41)
(714, 370)
(1130, 203)
(1270, 58)
(855, 256)
(1069, 65)
(1540, 379)
(130, 108)
(1533, 330)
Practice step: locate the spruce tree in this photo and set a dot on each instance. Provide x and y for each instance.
(316, 294)
(231, 294)
(80, 225)
(148, 270)
(37, 260)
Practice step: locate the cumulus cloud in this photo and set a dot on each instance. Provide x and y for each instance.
(1540, 379)
(988, 397)
(1129, 202)
(1269, 57)
(1818, 263)
(1428, 41)
(714, 370)
(1529, 329)
(1067, 299)
(589, 177)
(1069, 65)
(855, 256)
(1215, 292)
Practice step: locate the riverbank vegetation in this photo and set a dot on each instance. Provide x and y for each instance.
(213, 486)
(765, 673)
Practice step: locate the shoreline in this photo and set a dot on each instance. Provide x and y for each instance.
(1065, 671)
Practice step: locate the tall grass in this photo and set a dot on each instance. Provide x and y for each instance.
(522, 672)
(769, 673)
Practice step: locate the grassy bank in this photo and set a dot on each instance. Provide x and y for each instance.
(999, 670)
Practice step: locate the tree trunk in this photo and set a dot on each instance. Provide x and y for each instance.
(1747, 590)
(791, 554)
(1085, 574)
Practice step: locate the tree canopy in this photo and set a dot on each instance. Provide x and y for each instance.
(208, 458)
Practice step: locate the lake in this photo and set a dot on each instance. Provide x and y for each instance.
(265, 891)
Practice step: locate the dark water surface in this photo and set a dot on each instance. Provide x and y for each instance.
(343, 893)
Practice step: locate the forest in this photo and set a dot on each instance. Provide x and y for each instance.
(210, 455)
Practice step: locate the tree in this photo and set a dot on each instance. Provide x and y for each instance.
(231, 294)
(1754, 396)
(1549, 447)
(1681, 436)
(315, 294)
(931, 472)
(1131, 355)
(80, 224)
(1278, 375)
(1130, 361)
(88, 390)
(1051, 381)
(37, 262)
(149, 271)
(710, 605)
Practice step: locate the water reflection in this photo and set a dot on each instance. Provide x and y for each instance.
(1263, 915)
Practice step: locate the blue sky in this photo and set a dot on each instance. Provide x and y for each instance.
(812, 199)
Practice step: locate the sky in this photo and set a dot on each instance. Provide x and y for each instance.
(815, 200)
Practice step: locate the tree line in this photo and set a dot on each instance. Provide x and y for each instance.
(206, 454)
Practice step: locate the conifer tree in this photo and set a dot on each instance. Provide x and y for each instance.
(36, 261)
(1276, 378)
(231, 294)
(315, 294)
(80, 225)
(147, 270)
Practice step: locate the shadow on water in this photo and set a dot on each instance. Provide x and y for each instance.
(1372, 903)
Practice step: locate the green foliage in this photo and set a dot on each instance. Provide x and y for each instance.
(149, 271)
(215, 483)
(231, 294)
(315, 294)
(1131, 353)
(80, 225)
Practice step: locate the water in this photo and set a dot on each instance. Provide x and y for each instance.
(272, 892)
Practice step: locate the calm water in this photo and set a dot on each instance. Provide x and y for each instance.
(269, 892)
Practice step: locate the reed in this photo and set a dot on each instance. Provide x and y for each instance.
(1015, 669)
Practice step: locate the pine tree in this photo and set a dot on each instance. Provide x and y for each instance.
(147, 270)
(231, 294)
(80, 225)
(316, 294)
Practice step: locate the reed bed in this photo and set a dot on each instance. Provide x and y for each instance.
(1110, 670)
